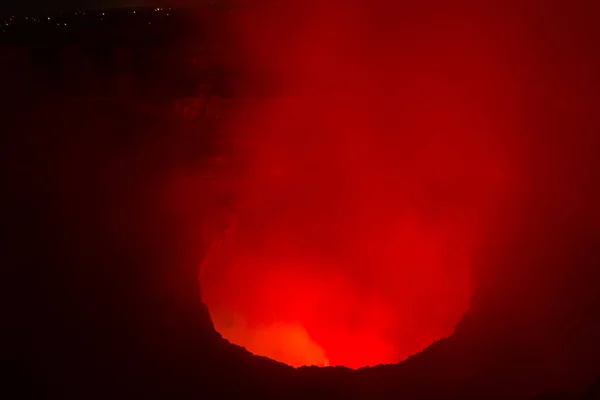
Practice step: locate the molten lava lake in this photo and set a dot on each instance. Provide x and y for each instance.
(309, 311)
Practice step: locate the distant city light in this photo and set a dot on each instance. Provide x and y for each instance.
(7, 23)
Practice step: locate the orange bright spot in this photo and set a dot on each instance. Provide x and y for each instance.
(288, 343)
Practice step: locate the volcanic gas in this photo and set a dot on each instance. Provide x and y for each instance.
(367, 182)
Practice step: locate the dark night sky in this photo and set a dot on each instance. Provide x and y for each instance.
(34, 6)
(42, 6)
(21, 7)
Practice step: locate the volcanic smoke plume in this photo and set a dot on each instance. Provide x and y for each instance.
(369, 176)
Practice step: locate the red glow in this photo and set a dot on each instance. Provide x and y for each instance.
(366, 187)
